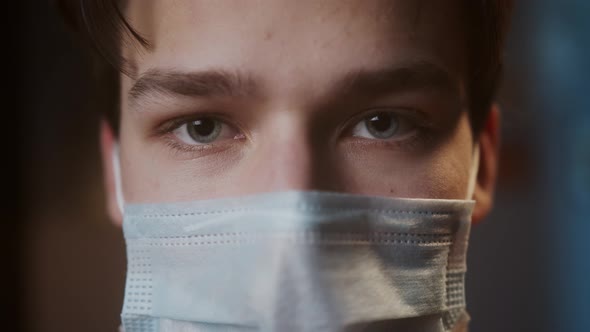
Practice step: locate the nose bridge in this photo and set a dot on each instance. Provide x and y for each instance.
(291, 160)
(288, 158)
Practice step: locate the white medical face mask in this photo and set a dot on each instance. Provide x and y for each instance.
(296, 261)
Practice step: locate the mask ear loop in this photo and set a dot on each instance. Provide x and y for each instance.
(473, 173)
(117, 178)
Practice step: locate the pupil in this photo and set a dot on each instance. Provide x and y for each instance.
(381, 122)
(204, 127)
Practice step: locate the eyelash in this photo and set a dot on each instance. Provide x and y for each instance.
(166, 130)
(422, 132)
(186, 148)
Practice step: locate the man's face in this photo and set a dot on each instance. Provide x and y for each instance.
(241, 97)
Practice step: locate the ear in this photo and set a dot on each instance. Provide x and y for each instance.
(107, 142)
(489, 144)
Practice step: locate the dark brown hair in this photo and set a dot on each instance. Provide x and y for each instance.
(103, 23)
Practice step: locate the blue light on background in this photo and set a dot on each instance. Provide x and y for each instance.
(563, 68)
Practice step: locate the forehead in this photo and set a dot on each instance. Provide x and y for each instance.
(286, 39)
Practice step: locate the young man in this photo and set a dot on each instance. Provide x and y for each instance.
(369, 124)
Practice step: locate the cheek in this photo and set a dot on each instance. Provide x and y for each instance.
(153, 174)
(444, 178)
(441, 173)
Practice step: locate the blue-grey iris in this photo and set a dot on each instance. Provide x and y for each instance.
(204, 130)
(382, 125)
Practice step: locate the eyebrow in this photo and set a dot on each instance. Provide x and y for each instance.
(406, 77)
(420, 75)
(209, 83)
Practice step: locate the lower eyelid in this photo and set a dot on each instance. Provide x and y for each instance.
(183, 151)
(414, 140)
(187, 147)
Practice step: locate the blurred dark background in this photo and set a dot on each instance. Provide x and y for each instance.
(529, 261)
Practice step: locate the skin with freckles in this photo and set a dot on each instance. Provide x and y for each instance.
(241, 97)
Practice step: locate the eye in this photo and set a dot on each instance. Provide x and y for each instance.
(204, 130)
(383, 126)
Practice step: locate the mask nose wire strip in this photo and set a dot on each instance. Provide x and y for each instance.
(473, 173)
(117, 178)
